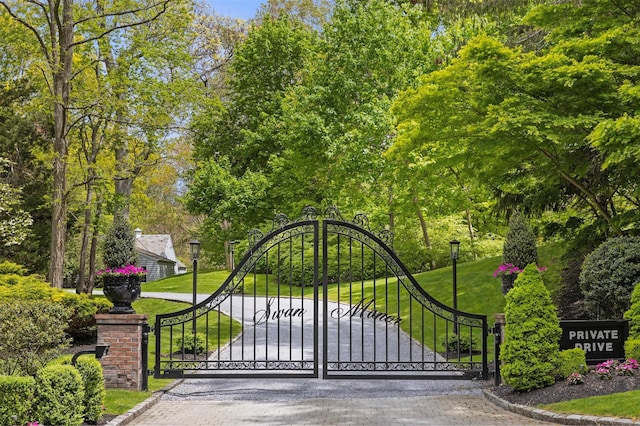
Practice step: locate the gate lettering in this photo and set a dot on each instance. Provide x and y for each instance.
(263, 315)
(361, 308)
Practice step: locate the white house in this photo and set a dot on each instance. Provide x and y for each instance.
(157, 255)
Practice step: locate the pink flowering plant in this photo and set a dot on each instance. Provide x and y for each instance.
(626, 368)
(126, 271)
(506, 269)
(604, 370)
(575, 378)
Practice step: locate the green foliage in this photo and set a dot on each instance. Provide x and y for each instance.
(16, 396)
(633, 314)
(90, 370)
(530, 351)
(632, 348)
(609, 274)
(31, 334)
(59, 396)
(119, 245)
(519, 247)
(570, 361)
(190, 342)
(82, 308)
(10, 268)
(14, 222)
(455, 343)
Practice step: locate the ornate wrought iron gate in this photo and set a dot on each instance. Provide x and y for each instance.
(376, 320)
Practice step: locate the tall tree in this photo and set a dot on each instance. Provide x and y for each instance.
(57, 27)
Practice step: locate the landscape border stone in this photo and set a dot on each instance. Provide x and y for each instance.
(136, 411)
(553, 417)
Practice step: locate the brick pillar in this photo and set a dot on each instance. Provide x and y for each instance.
(123, 365)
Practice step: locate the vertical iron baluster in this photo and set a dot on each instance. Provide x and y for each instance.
(255, 331)
(398, 315)
(350, 297)
(302, 284)
(410, 328)
(278, 316)
(386, 312)
(339, 301)
(290, 298)
(375, 310)
(362, 298)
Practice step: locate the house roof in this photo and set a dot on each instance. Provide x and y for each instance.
(156, 244)
(155, 256)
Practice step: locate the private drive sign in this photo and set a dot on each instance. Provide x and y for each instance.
(601, 340)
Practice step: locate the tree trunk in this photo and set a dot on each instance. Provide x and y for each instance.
(94, 247)
(82, 287)
(471, 235)
(61, 65)
(425, 231)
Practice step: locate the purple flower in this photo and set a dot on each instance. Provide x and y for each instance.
(126, 270)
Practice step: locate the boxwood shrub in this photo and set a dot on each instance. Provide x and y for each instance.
(16, 396)
(572, 360)
(91, 372)
(59, 398)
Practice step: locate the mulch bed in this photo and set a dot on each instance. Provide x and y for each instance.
(561, 391)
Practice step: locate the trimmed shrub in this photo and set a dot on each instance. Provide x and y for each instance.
(90, 370)
(32, 333)
(633, 314)
(119, 245)
(16, 396)
(519, 248)
(451, 344)
(572, 360)
(530, 351)
(609, 274)
(188, 343)
(59, 396)
(632, 349)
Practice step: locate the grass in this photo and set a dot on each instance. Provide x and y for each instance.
(119, 401)
(626, 404)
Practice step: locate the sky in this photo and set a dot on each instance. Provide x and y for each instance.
(245, 9)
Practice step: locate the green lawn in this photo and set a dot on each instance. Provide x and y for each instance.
(626, 404)
(120, 401)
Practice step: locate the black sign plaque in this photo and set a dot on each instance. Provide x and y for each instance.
(601, 340)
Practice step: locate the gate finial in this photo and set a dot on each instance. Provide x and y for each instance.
(309, 213)
(333, 213)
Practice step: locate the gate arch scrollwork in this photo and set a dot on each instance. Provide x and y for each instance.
(377, 320)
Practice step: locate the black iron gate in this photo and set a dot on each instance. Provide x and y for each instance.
(376, 320)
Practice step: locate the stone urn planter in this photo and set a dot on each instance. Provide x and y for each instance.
(121, 290)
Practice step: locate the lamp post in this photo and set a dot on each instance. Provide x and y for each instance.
(454, 246)
(194, 245)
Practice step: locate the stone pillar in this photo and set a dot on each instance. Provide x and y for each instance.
(123, 365)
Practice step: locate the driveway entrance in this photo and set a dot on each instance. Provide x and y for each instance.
(338, 302)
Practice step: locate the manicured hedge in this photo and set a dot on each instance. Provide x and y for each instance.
(59, 398)
(572, 360)
(16, 395)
